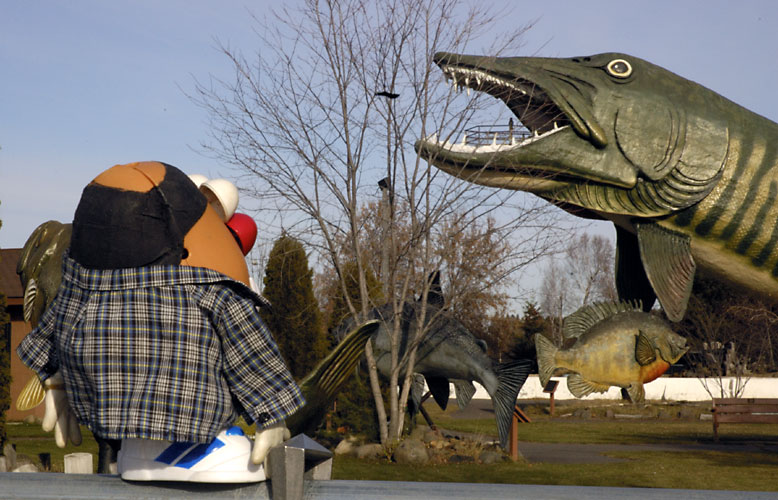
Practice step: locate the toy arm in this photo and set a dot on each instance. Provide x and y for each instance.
(257, 375)
(58, 415)
(267, 438)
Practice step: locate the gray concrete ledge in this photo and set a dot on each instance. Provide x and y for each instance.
(87, 486)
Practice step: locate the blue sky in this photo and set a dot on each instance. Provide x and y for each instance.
(86, 84)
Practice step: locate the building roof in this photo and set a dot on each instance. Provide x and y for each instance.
(9, 280)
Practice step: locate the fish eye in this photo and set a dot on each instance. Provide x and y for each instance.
(619, 68)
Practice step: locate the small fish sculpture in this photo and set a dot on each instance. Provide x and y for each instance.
(610, 344)
(40, 272)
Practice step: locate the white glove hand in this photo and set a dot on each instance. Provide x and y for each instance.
(267, 438)
(58, 415)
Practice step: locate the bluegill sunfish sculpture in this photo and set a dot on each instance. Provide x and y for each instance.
(615, 344)
(688, 177)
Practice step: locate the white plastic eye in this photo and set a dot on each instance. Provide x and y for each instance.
(619, 68)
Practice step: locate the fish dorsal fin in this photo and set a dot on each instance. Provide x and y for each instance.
(644, 350)
(30, 292)
(580, 387)
(667, 260)
(586, 317)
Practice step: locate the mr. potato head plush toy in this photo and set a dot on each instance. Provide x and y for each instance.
(156, 334)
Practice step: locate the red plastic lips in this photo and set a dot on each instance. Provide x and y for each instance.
(245, 230)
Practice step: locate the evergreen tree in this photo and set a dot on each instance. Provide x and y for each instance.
(295, 319)
(533, 323)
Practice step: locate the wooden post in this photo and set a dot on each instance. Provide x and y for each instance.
(513, 438)
(551, 389)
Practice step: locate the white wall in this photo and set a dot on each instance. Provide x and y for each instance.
(668, 388)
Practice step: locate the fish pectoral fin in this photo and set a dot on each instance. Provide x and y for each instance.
(417, 392)
(580, 387)
(667, 260)
(644, 350)
(464, 391)
(636, 392)
(439, 387)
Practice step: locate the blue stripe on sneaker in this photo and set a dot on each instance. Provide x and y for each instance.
(198, 453)
(172, 452)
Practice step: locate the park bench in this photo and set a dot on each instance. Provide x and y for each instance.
(743, 410)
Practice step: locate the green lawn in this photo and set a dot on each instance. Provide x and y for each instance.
(726, 470)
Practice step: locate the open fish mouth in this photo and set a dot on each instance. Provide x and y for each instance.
(528, 102)
(545, 102)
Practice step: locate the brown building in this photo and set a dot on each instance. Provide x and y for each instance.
(18, 328)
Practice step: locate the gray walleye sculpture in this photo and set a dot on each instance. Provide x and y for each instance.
(447, 353)
(688, 177)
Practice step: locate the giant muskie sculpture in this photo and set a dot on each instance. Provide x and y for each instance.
(688, 177)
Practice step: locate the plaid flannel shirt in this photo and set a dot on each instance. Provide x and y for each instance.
(161, 352)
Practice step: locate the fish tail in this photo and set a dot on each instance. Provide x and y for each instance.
(546, 351)
(324, 382)
(510, 377)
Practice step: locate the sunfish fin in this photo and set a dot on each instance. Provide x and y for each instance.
(546, 352)
(580, 387)
(464, 390)
(667, 260)
(510, 378)
(636, 392)
(31, 396)
(582, 320)
(644, 350)
(439, 387)
(632, 284)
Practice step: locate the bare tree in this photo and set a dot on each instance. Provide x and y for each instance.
(331, 104)
(581, 275)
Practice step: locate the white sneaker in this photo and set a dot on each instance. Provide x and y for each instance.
(226, 459)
